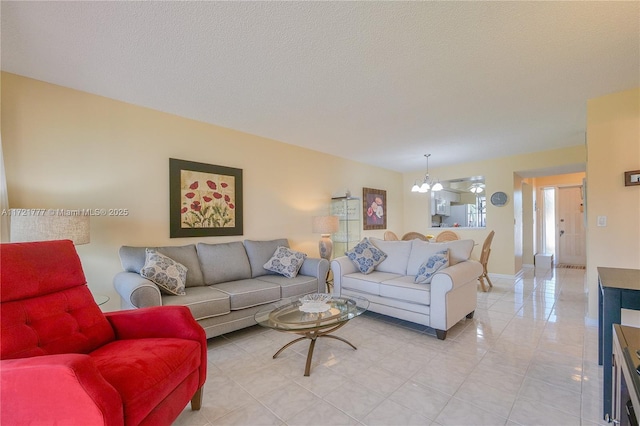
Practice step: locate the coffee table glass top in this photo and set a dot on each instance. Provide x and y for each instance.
(286, 314)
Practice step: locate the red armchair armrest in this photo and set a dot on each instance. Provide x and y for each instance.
(160, 321)
(67, 388)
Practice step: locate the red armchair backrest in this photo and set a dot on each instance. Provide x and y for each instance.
(45, 304)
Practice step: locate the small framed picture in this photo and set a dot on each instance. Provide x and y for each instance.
(632, 178)
(374, 208)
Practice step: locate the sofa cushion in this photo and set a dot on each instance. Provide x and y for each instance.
(397, 255)
(145, 371)
(366, 256)
(223, 262)
(133, 258)
(165, 272)
(285, 261)
(432, 265)
(290, 287)
(369, 283)
(459, 251)
(403, 288)
(204, 302)
(247, 293)
(259, 252)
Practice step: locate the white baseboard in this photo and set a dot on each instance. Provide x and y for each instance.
(506, 276)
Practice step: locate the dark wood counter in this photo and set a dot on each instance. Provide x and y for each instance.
(619, 289)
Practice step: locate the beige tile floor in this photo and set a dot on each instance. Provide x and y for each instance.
(528, 357)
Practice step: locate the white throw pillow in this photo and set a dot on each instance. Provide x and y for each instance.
(421, 250)
(285, 262)
(169, 275)
(397, 255)
(432, 265)
(459, 250)
(366, 256)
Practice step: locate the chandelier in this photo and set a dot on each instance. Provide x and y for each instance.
(426, 184)
(476, 188)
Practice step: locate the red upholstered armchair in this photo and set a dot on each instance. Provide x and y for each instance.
(65, 362)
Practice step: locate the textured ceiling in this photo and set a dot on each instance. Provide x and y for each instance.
(376, 82)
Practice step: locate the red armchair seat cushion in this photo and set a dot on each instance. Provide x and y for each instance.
(145, 371)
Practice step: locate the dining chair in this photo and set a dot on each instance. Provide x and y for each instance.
(446, 236)
(484, 260)
(413, 235)
(390, 236)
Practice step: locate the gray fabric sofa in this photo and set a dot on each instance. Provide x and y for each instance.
(391, 290)
(226, 283)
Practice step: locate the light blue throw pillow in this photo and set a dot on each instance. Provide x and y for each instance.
(169, 275)
(432, 265)
(366, 256)
(285, 262)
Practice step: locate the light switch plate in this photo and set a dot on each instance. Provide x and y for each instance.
(602, 221)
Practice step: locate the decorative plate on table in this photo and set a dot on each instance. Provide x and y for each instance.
(315, 303)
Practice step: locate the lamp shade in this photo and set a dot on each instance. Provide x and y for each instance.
(325, 224)
(50, 227)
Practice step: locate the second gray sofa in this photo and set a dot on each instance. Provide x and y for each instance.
(226, 283)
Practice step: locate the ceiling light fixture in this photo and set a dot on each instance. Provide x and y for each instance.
(476, 188)
(427, 184)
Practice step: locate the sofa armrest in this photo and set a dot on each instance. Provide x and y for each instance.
(57, 389)
(316, 267)
(457, 275)
(454, 293)
(161, 321)
(136, 291)
(157, 321)
(341, 266)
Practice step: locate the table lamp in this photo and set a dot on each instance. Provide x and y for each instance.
(325, 225)
(48, 226)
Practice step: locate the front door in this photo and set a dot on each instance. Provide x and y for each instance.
(570, 227)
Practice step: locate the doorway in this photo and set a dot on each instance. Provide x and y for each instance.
(570, 227)
(563, 233)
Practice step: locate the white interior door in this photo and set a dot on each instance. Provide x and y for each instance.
(570, 227)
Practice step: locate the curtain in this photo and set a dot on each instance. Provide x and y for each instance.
(4, 200)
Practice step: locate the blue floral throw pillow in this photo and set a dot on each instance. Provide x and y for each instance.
(366, 256)
(285, 262)
(432, 265)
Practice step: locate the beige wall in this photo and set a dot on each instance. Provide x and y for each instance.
(499, 176)
(613, 147)
(68, 149)
(528, 224)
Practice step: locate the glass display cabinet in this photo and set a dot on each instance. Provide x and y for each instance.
(350, 222)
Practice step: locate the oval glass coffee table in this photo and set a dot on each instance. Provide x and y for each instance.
(291, 316)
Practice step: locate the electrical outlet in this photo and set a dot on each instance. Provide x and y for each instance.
(602, 221)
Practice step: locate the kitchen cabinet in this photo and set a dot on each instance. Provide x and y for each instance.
(350, 222)
(626, 383)
(441, 202)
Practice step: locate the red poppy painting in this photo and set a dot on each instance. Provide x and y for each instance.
(206, 200)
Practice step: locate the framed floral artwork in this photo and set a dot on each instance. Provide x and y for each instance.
(374, 208)
(204, 200)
